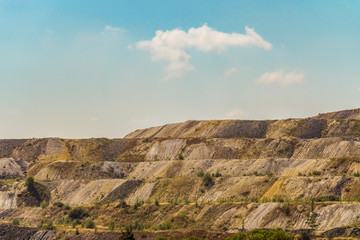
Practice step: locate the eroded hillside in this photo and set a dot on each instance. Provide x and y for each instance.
(229, 176)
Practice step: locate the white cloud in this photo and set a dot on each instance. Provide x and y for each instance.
(109, 28)
(235, 114)
(230, 71)
(170, 45)
(281, 77)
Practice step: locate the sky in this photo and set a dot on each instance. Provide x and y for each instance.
(89, 68)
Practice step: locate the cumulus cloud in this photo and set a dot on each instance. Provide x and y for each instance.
(109, 28)
(281, 77)
(230, 71)
(170, 45)
(235, 114)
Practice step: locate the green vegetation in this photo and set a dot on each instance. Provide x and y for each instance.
(257, 234)
(112, 225)
(30, 184)
(286, 208)
(78, 213)
(315, 173)
(207, 180)
(43, 205)
(15, 221)
(330, 198)
(127, 235)
(46, 225)
(58, 204)
(304, 235)
(201, 173)
(122, 204)
(138, 203)
(88, 223)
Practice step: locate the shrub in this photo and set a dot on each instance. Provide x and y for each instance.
(17, 179)
(89, 223)
(257, 234)
(112, 225)
(207, 180)
(286, 209)
(217, 174)
(40, 224)
(181, 157)
(43, 205)
(127, 235)
(304, 235)
(15, 221)
(138, 203)
(78, 213)
(200, 174)
(156, 202)
(238, 236)
(66, 207)
(122, 204)
(331, 198)
(165, 226)
(48, 226)
(58, 204)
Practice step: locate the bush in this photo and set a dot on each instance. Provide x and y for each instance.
(43, 205)
(181, 157)
(78, 213)
(304, 235)
(15, 221)
(48, 226)
(89, 223)
(156, 202)
(217, 174)
(122, 204)
(66, 207)
(238, 236)
(330, 198)
(207, 180)
(286, 209)
(112, 225)
(200, 174)
(58, 204)
(257, 234)
(138, 203)
(127, 235)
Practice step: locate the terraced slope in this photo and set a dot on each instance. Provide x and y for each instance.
(215, 175)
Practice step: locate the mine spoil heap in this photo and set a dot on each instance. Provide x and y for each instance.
(218, 176)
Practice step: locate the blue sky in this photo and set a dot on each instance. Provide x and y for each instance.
(85, 68)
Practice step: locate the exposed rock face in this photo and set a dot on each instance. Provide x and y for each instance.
(12, 168)
(255, 164)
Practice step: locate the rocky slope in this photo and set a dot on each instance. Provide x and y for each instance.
(294, 174)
